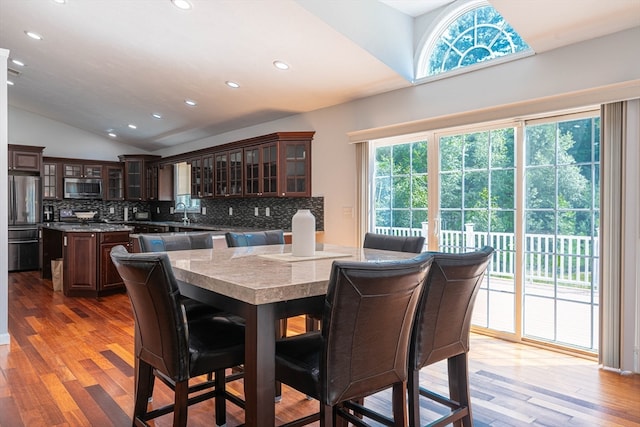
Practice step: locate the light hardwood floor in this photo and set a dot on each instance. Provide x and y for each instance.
(70, 363)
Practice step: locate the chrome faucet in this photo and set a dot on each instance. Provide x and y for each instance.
(185, 218)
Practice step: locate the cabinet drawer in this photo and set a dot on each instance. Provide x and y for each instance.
(115, 237)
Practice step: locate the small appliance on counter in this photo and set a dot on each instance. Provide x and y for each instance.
(142, 216)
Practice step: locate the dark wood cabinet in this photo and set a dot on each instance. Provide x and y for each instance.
(114, 183)
(261, 170)
(25, 158)
(279, 168)
(51, 181)
(88, 269)
(80, 264)
(80, 170)
(109, 280)
(295, 168)
(228, 168)
(140, 183)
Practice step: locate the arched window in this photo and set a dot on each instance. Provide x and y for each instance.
(470, 34)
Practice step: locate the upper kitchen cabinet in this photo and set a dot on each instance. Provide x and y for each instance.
(114, 182)
(280, 165)
(201, 167)
(261, 170)
(136, 176)
(295, 168)
(227, 166)
(81, 170)
(25, 158)
(51, 180)
(159, 183)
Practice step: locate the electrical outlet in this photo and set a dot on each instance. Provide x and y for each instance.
(135, 209)
(230, 211)
(256, 211)
(267, 212)
(158, 209)
(112, 210)
(204, 210)
(171, 210)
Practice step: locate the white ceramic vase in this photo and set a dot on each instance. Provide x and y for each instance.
(303, 230)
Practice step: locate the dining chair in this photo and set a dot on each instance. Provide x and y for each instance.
(363, 343)
(385, 242)
(180, 242)
(172, 348)
(441, 331)
(254, 238)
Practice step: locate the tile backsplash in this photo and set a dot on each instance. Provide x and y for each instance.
(243, 211)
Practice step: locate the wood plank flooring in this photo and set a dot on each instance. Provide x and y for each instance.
(70, 363)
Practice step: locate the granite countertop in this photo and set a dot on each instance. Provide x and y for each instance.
(86, 228)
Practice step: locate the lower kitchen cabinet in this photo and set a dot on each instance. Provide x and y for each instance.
(88, 270)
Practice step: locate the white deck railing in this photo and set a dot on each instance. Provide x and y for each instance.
(570, 260)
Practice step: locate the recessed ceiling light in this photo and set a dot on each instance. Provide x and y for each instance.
(112, 135)
(156, 116)
(60, 1)
(132, 126)
(10, 83)
(281, 65)
(190, 102)
(33, 35)
(18, 62)
(232, 84)
(182, 4)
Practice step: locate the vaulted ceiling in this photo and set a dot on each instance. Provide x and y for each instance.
(102, 65)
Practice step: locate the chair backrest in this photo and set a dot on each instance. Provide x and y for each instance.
(254, 238)
(366, 325)
(413, 244)
(443, 318)
(160, 322)
(175, 242)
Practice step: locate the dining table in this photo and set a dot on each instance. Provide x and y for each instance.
(263, 284)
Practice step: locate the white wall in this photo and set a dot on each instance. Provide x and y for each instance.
(61, 140)
(4, 214)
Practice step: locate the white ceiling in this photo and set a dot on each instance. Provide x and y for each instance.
(104, 64)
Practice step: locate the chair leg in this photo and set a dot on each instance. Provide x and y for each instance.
(459, 386)
(413, 384)
(327, 415)
(220, 399)
(180, 409)
(399, 403)
(144, 381)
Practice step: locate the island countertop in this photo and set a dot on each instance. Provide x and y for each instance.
(86, 228)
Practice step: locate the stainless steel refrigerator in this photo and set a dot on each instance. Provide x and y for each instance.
(25, 215)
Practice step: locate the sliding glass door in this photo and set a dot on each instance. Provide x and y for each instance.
(530, 190)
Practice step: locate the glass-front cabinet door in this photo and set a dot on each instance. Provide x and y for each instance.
(115, 183)
(295, 160)
(51, 189)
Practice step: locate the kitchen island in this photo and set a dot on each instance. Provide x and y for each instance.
(85, 252)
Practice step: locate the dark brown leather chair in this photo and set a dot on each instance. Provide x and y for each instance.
(181, 242)
(385, 242)
(364, 341)
(170, 347)
(441, 331)
(254, 238)
(413, 244)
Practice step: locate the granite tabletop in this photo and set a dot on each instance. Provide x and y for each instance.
(266, 274)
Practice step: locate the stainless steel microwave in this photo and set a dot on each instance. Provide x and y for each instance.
(82, 188)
